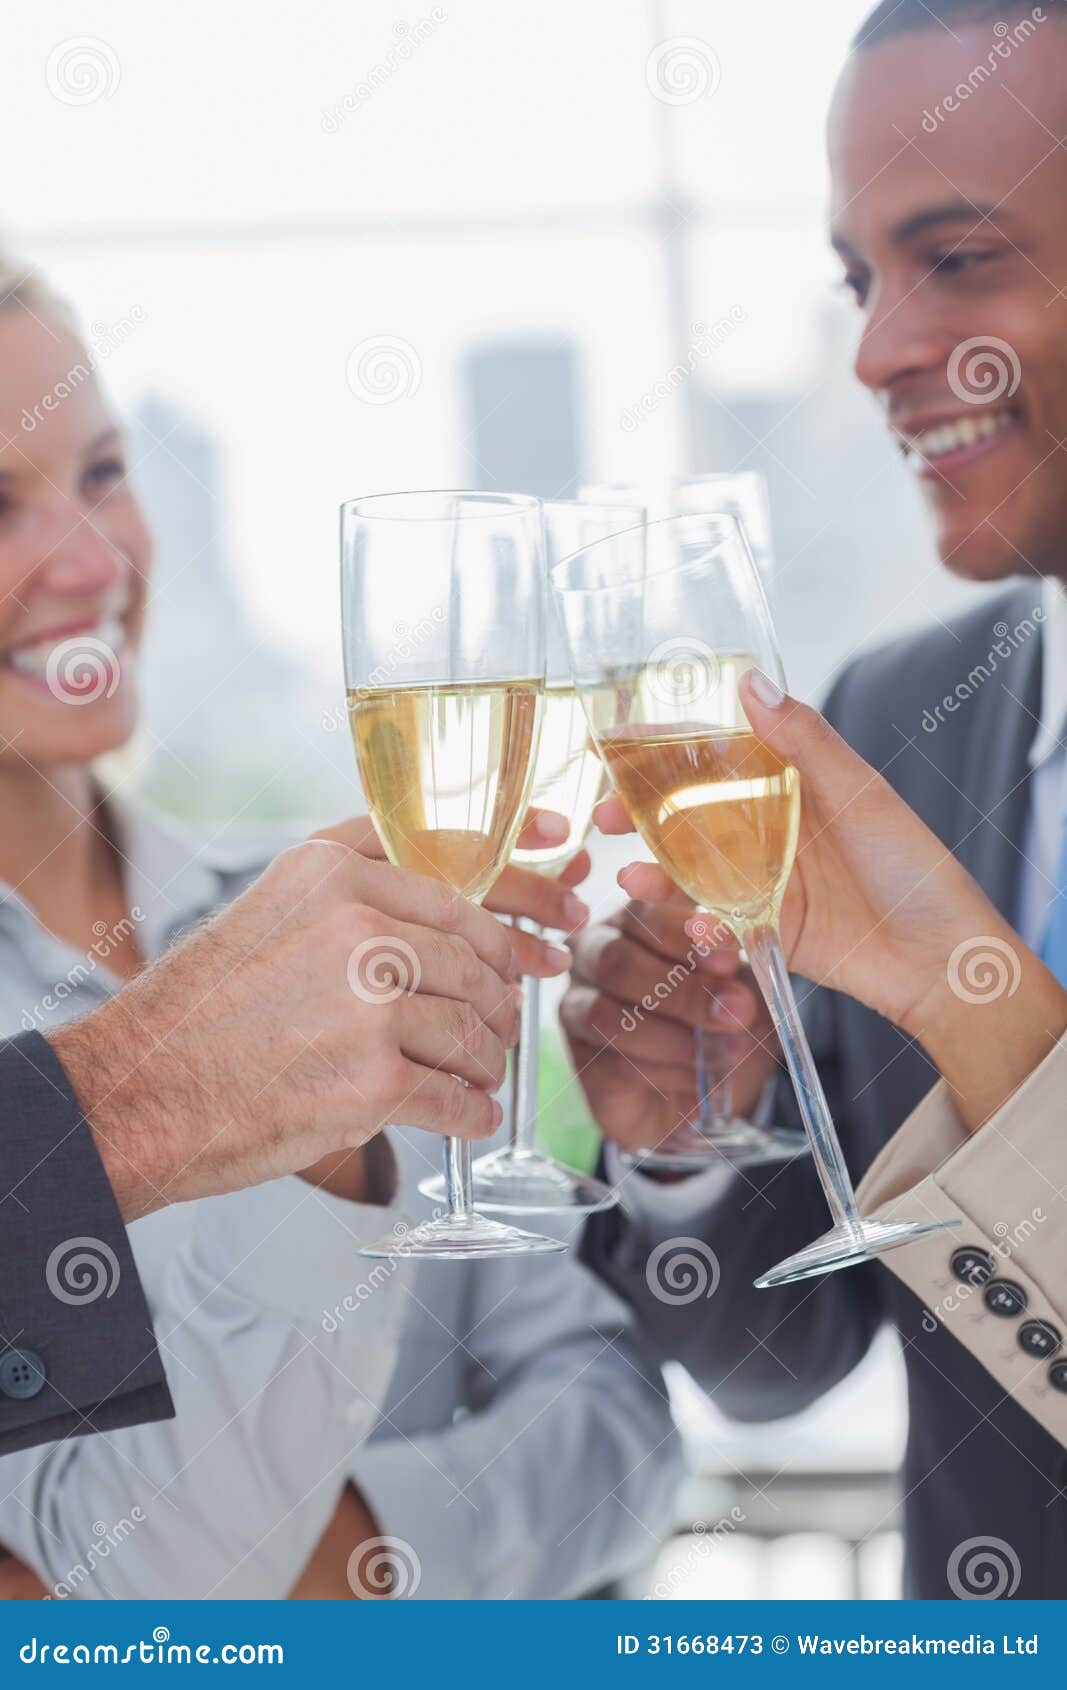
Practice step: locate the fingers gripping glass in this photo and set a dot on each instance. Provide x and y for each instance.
(660, 633)
(442, 601)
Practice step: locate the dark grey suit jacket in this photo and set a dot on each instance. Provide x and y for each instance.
(77, 1351)
(977, 1465)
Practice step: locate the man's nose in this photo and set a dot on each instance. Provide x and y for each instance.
(900, 338)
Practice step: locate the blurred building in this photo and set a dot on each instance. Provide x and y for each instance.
(522, 404)
(234, 728)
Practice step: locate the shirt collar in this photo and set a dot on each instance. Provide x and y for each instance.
(172, 878)
(1049, 736)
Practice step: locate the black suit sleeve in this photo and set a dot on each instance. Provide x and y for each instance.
(763, 1354)
(77, 1350)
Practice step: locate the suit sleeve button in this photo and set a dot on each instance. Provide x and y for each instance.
(1057, 1375)
(972, 1265)
(1039, 1338)
(22, 1373)
(1004, 1298)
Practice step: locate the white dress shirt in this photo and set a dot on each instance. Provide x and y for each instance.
(526, 1448)
(1043, 829)
(230, 1497)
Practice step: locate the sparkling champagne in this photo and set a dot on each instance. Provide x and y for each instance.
(445, 772)
(718, 809)
(567, 776)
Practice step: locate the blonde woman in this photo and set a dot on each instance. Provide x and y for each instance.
(232, 1493)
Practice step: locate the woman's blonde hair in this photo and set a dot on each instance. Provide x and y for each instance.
(21, 284)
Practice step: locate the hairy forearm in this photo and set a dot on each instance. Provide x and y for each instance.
(137, 1099)
(132, 1113)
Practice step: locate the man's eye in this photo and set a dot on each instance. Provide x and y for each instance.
(956, 263)
(856, 282)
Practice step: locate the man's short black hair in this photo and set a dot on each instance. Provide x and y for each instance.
(899, 17)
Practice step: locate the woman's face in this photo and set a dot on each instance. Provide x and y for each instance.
(74, 551)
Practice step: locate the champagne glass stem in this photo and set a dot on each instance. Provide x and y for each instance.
(458, 1186)
(715, 1087)
(526, 1058)
(764, 949)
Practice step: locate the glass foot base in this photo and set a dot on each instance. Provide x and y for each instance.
(844, 1246)
(528, 1182)
(461, 1238)
(738, 1143)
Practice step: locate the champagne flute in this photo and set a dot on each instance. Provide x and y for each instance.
(442, 613)
(568, 779)
(741, 494)
(717, 1133)
(719, 810)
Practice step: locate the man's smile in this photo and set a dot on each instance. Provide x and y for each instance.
(938, 446)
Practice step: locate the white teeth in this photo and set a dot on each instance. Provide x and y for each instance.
(110, 633)
(106, 637)
(33, 659)
(963, 431)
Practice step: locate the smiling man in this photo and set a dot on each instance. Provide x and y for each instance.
(955, 245)
(949, 211)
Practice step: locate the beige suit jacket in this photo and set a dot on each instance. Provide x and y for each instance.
(999, 1277)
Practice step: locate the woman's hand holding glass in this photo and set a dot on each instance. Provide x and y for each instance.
(718, 807)
(878, 907)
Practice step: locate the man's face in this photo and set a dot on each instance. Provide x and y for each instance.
(952, 226)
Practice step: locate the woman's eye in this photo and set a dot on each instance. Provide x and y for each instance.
(856, 282)
(100, 477)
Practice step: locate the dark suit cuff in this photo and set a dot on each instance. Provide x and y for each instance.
(70, 1298)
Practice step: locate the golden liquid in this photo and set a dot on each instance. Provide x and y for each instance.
(567, 776)
(690, 684)
(718, 809)
(446, 771)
